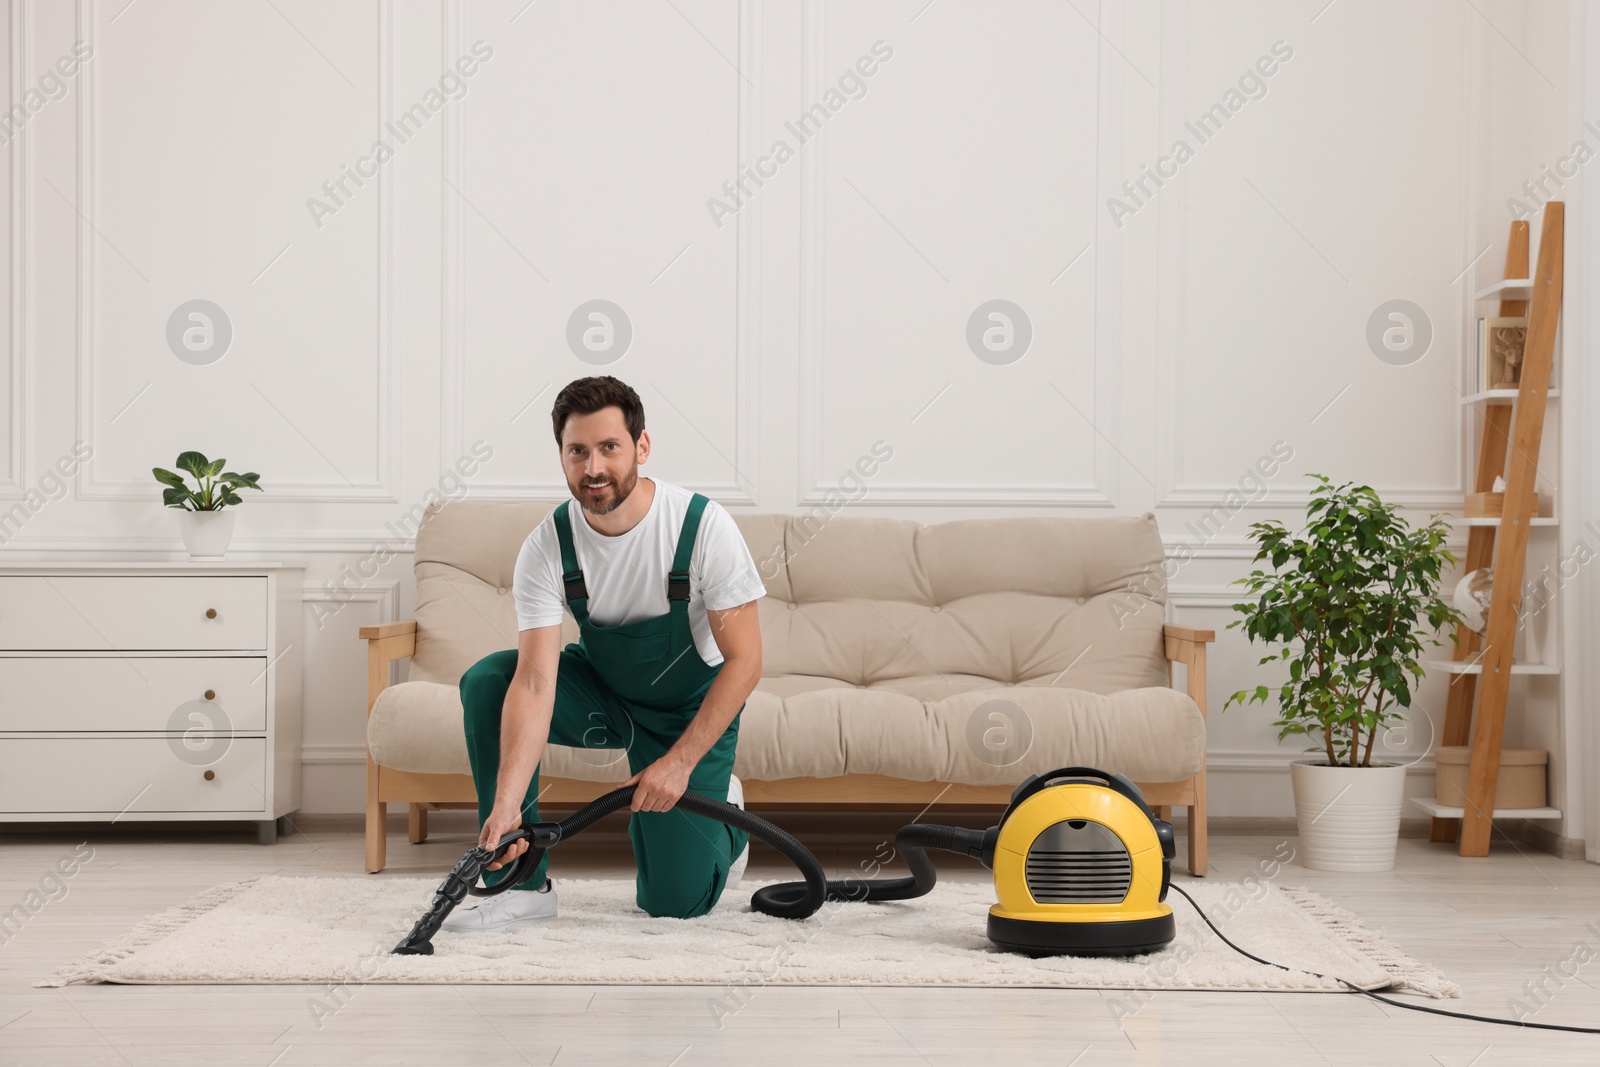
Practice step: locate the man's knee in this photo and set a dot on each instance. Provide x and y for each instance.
(484, 684)
(681, 876)
(691, 906)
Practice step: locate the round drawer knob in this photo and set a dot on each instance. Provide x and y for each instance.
(210, 775)
(211, 694)
(211, 613)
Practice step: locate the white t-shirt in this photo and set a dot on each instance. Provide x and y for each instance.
(626, 575)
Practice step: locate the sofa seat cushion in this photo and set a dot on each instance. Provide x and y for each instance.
(921, 728)
(931, 728)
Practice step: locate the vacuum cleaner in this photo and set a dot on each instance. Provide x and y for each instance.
(1081, 866)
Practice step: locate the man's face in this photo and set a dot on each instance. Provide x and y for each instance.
(597, 451)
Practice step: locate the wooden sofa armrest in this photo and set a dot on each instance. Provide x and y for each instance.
(1187, 646)
(386, 643)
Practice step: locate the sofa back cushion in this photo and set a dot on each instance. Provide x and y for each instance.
(1075, 603)
(466, 558)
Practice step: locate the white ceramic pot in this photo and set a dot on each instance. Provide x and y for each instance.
(206, 533)
(1349, 817)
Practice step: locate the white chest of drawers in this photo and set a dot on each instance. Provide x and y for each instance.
(150, 692)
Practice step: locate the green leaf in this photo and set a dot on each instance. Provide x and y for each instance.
(193, 462)
(167, 477)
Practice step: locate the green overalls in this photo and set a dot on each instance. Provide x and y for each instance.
(633, 687)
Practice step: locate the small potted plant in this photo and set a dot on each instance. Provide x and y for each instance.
(205, 526)
(1352, 604)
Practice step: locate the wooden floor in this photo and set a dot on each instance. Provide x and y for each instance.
(1490, 924)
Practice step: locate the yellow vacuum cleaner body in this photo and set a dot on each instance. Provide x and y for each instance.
(1081, 867)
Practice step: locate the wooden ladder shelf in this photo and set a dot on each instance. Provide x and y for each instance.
(1508, 445)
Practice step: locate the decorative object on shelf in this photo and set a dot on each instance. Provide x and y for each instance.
(1501, 339)
(205, 526)
(1472, 598)
(1489, 505)
(1520, 784)
(1352, 605)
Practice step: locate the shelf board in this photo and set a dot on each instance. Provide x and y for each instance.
(1464, 667)
(1444, 811)
(1510, 289)
(1501, 396)
(1537, 520)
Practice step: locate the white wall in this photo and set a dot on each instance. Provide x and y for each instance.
(375, 343)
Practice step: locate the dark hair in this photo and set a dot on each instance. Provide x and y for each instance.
(588, 395)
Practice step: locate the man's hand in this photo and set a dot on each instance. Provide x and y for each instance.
(660, 784)
(501, 821)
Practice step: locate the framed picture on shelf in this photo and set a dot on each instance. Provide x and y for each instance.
(1499, 351)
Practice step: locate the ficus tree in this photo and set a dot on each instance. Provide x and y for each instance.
(1353, 603)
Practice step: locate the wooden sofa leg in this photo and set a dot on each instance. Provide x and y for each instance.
(418, 825)
(1197, 827)
(377, 817)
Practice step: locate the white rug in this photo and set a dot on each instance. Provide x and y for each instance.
(331, 931)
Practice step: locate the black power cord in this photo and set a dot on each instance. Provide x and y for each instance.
(1374, 996)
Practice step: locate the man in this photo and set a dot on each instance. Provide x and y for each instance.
(663, 589)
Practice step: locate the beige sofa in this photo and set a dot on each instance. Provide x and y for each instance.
(903, 665)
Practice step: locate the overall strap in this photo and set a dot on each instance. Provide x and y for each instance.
(576, 593)
(678, 577)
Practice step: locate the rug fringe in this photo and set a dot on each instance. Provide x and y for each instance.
(91, 969)
(1410, 974)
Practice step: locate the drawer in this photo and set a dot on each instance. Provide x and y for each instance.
(133, 693)
(122, 613)
(106, 774)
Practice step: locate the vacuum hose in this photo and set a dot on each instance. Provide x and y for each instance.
(787, 900)
(912, 841)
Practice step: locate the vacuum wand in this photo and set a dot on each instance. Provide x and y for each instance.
(463, 879)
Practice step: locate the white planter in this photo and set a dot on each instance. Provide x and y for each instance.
(1349, 817)
(206, 533)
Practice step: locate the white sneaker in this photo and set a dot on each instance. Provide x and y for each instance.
(513, 908)
(736, 798)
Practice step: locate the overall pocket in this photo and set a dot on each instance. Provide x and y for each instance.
(630, 652)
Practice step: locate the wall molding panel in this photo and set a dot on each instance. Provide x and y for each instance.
(739, 489)
(1175, 492)
(385, 398)
(812, 413)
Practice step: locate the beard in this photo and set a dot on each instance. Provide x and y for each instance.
(608, 501)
